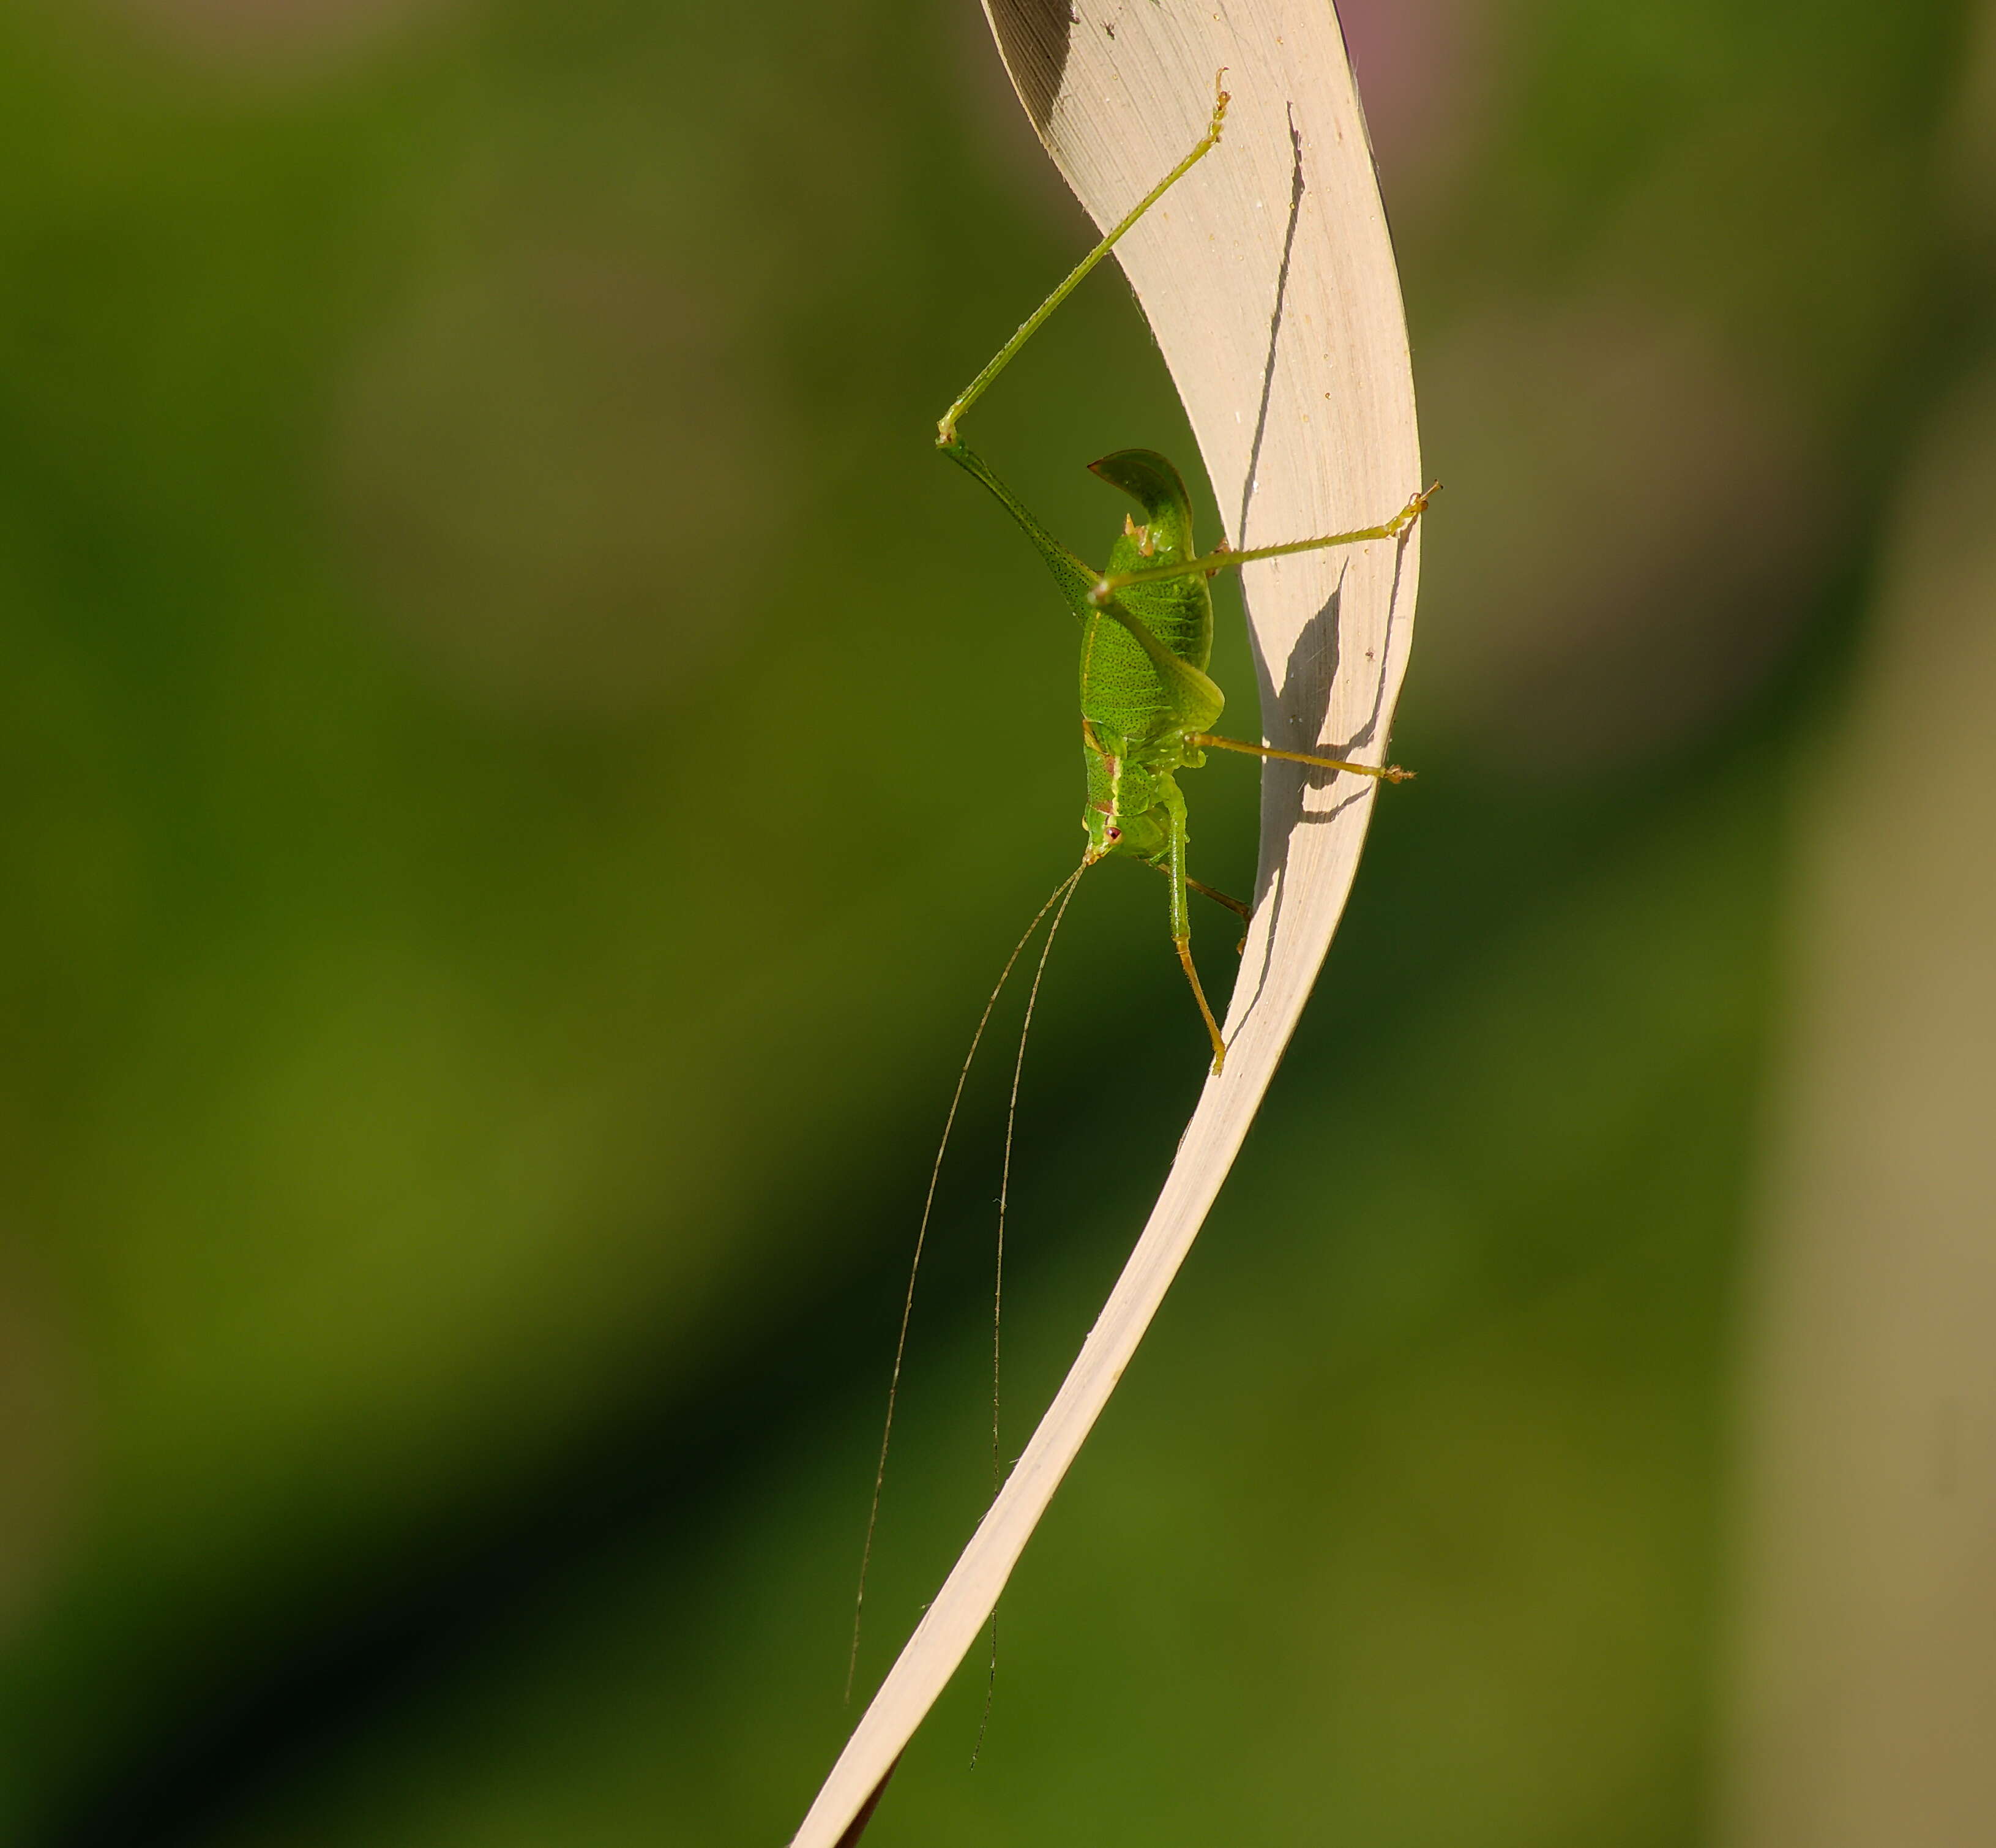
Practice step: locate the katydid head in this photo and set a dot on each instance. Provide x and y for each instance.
(1107, 834)
(1115, 824)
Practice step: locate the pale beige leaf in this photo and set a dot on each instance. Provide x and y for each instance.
(1267, 276)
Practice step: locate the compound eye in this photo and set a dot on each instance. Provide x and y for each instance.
(1112, 834)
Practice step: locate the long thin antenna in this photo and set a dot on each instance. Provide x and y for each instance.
(998, 1278)
(1059, 896)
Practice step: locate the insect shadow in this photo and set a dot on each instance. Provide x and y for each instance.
(1310, 671)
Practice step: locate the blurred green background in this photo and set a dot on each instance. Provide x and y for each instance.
(507, 835)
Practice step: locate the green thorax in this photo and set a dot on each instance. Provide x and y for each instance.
(1136, 712)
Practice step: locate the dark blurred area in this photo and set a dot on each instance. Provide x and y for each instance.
(522, 767)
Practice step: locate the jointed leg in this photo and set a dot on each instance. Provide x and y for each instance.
(1181, 928)
(1215, 562)
(946, 425)
(1389, 773)
(1242, 911)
